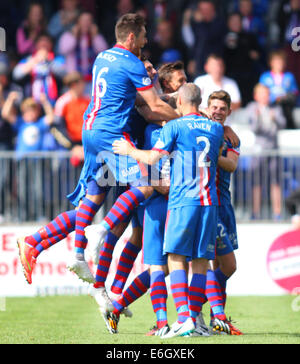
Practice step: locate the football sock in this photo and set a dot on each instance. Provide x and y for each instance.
(122, 208)
(126, 261)
(84, 217)
(159, 297)
(214, 295)
(197, 294)
(179, 288)
(135, 290)
(63, 224)
(222, 279)
(105, 259)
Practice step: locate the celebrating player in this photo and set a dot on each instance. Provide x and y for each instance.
(197, 142)
(225, 264)
(118, 75)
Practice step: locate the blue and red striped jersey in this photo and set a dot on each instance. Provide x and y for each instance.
(193, 143)
(223, 177)
(117, 77)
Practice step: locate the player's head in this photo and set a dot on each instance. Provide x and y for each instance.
(152, 73)
(130, 31)
(172, 76)
(189, 96)
(219, 106)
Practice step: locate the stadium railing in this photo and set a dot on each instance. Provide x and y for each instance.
(34, 188)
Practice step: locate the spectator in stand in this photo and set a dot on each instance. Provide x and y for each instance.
(260, 7)
(6, 87)
(251, 23)
(265, 122)
(63, 20)
(288, 19)
(159, 10)
(32, 131)
(109, 15)
(166, 47)
(70, 108)
(242, 57)
(282, 85)
(215, 80)
(81, 45)
(28, 32)
(30, 127)
(203, 32)
(40, 70)
(6, 131)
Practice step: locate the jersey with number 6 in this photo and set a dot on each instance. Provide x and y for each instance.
(117, 76)
(193, 144)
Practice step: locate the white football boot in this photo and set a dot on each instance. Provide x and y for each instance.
(95, 235)
(180, 329)
(101, 297)
(81, 269)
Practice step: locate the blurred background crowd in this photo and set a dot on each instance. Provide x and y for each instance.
(247, 47)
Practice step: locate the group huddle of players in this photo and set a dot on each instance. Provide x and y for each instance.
(180, 208)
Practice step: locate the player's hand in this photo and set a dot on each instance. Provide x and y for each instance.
(122, 146)
(230, 135)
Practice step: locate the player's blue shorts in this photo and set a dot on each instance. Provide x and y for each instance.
(105, 167)
(154, 230)
(191, 231)
(226, 236)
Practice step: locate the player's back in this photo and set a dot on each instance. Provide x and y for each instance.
(193, 143)
(117, 76)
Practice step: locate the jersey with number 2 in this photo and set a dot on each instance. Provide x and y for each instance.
(193, 144)
(117, 77)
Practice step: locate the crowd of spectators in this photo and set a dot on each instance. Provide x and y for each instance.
(246, 47)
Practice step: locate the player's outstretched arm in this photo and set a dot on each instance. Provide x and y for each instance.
(123, 147)
(161, 109)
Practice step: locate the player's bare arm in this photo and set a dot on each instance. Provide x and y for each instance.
(121, 146)
(230, 162)
(158, 107)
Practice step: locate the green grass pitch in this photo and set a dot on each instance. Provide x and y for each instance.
(75, 319)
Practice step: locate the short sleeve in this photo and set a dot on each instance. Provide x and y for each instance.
(167, 139)
(139, 77)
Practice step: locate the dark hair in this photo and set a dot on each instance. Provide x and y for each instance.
(129, 23)
(220, 95)
(166, 70)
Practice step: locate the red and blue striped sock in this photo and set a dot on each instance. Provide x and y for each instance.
(105, 259)
(179, 288)
(197, 294)
(159, 295)
(84, 217)
(62, 224)
(122, 208)
(135, 290)
(214, 294)
(222, 279)
(126, 261)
